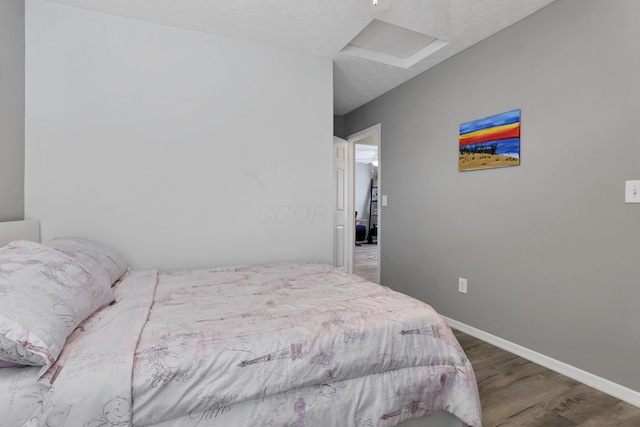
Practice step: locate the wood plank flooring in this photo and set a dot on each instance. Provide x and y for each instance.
(365, 261)
(517, 392)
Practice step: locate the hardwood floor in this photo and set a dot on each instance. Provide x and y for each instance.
(517, 392)
(365, 261)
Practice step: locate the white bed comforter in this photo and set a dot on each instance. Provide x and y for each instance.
(272, 345)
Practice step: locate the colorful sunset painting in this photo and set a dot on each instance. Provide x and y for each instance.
(492, 142)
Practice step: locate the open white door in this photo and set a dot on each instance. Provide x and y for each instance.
(368, 136)
(342, 223)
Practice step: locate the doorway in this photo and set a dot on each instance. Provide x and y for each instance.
(366, 186)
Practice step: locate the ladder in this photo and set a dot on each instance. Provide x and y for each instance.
(373, 212)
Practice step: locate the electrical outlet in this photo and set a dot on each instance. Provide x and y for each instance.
(632, 192)
(462, 285)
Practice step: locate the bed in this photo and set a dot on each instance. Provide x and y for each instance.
(284, 344)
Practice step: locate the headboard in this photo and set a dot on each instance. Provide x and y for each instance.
(29, 229)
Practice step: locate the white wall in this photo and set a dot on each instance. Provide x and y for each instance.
(362, 189)
(11, 110)
(176, 148)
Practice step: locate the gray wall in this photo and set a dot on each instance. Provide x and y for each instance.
(11, 110)
(338, 126)
(550, 249)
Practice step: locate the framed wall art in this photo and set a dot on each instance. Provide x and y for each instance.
(491, 142)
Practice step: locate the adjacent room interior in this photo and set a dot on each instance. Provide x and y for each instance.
(367, 245)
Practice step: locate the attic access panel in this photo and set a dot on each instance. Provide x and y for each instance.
(392, 45)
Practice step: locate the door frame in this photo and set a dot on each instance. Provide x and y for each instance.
(375, 130)
(343, 226)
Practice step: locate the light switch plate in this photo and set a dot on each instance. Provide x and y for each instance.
(462, 285)
(384, 200)
(632, 192)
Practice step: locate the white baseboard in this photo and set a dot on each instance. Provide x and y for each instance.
(616, 390)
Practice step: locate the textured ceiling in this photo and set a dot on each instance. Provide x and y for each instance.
(324, 27)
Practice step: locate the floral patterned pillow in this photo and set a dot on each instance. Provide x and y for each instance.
(101, 263)
(44, 294)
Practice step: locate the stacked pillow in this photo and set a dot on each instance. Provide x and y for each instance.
(46, 291)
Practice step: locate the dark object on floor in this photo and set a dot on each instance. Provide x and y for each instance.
(361, 233)
(373, 234)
